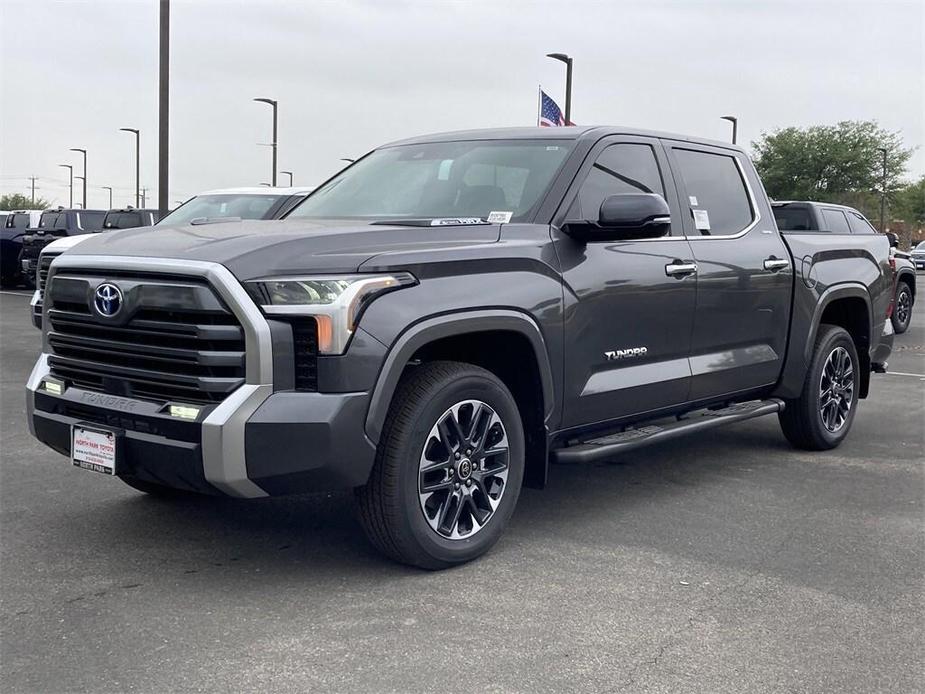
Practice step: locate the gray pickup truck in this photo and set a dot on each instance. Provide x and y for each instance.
(438, 322)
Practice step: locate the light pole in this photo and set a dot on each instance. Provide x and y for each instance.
(109, 188)
(274, 104)
(883, 193)
(71, 184)
(163, 107)
(84, 180)
(144, 198)
(563, 58)
(137, 164)
(735, 126)
(288, 173)
(83, 152)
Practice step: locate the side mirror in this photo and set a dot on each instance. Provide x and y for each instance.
(893, 239)
(625, 217)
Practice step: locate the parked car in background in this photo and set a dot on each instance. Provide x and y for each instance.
(827, 217)
(917, 255)
(444, 317)
(237, 203)
(14, 229)
(53, 224)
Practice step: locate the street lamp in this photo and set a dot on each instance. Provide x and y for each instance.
(71, 184)
(109, 188)
(274, 104)
(883, 193)
(84, 152)
(735, 126)
(82, 178)
(563, 58)
(137, 164)
(288, 173)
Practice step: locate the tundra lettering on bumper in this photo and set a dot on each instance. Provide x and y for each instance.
(252, 442)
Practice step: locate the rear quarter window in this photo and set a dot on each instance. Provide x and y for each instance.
(859, 225)
(834, 221)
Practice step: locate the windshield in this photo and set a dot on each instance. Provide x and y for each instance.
(243, 205)
(122, 220)
(441, 180)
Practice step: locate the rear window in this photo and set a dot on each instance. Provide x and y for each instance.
(793, 218)
(834, 221)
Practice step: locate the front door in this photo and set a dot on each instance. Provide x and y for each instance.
(627, 321)
(744, 275)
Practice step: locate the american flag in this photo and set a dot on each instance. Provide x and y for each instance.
(550, 113)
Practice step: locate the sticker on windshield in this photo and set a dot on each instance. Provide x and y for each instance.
(702, 220)
(499, 217)
(455, 221)
(693, 199)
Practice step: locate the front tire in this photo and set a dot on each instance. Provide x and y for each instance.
(902, 310)
(821, 417)
(448, 469)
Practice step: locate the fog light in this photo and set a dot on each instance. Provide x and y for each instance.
(183, 411)
(53, 387)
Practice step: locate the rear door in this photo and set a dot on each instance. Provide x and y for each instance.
(744, 272)
(627, 322)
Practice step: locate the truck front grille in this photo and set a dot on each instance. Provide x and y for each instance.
(172, 340)
(42, 276)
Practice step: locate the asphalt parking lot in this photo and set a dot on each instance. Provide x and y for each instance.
(724, 563)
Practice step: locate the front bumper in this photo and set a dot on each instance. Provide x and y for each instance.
(255, 443)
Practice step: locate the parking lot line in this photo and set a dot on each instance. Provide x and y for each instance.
(900, 373)
(15, 293)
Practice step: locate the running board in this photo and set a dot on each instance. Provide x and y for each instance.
(631, 439)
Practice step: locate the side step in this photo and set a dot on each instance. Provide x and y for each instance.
(609, 446)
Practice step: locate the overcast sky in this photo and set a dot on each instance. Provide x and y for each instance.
(351, 75)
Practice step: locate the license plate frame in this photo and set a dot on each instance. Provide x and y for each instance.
(94, 448)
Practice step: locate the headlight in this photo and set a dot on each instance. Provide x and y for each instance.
(335, 302)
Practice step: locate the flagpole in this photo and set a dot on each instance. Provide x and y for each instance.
(539, 103)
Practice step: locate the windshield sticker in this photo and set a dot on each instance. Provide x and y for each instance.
(455, 221)
(693, 199)
(499, 217)
(702, 220)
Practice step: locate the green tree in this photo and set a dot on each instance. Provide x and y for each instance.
(832, 163)
(909, 204)
(15, 201)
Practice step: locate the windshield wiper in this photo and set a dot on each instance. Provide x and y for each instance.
(432, 222)
(213, 220)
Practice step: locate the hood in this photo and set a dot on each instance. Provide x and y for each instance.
(253, 248)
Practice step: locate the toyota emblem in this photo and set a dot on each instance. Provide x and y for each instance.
(107, 299)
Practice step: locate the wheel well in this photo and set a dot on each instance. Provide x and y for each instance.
(851, 313)
(509, 356)
(909, 279)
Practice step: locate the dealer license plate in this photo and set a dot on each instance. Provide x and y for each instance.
(94, 449)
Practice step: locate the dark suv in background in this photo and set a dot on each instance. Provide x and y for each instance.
(53, 224)
(129, 218)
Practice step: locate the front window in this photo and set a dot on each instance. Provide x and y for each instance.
(219, 205)
(441, 180)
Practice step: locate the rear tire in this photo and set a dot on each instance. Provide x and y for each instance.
(448, 468)
(821, 417)
(902, 310)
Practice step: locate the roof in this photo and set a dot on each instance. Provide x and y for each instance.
(576, 132)
(814, 203)
(260, 190)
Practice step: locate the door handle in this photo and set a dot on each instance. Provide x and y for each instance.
(774, 264)
(680, 270)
